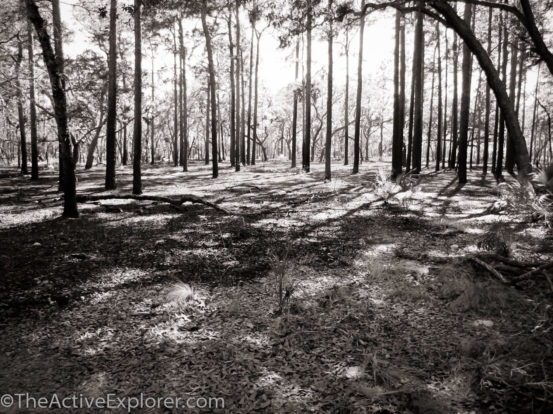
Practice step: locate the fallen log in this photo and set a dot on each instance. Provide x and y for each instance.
(537, 270)
(83, 198)
(490, 269)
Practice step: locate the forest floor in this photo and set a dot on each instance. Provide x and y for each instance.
(334, 297)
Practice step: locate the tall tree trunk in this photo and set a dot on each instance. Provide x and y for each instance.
(32, 104)
(243, 114)
(357, 136)
(137, 132)
(238, 138)
(402, 74)
(232, 94)
(440, 137)
(328, 142)
(20, 111)
(465, 103)
(307, 140)
(256, 98)
(488, 101)
(534, 113)
(295, 111)
(207, 121)
(397, 134)
(53, 59)
(431, 118)
(455, 105)
(419, 86)
(111, 139)
(509, 158)
(249, 124)
(176, 102)
(346, 103)
(497, 109)
(503, 72)
(153, 116)
(212, 90)
(446, 102)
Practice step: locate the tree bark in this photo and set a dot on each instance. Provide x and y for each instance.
(419, 86)
(328, 142)
(32, 103)
(54, 64)
(307, 139)
(111, 125)
(488, 101)
(137, 133)
(20, 111)
(238, 138)
(346, 103)
(232, 94)
(465, 103)
(397, 134)
(295, 110)
(212, 91)
(357, 136)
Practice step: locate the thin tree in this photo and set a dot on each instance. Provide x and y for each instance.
(488, 101)
(237, 137)
(357, 136)
(232, 93)
(346, 101)
(112, 99)
(455, 105)
(440, 137)
(294, 109)
(212, 90)
(307, 137)
(465, 103)
(137, 132)
(397, 133)
(32, 103)
(328, 142)
(20, 111)
(419, 86)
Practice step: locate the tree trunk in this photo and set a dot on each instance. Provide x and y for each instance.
(346, 103)
(237, 85)
(256, 98)
(397, 134)
(507, 107)
(32, 101)
(20, 111)
(295, 111)
(419, 86)
(94, 142)
(249, 123)
(54, 64)
(509, 158)
(207, 121)
(503, 72)
(357, 136)
(431, 117)
(488, 101)
(212, 91)
(232, 94)
(111, 125)
(328, 142)
(455, 105)
(137, 133)
(534, 113)
(465, 103)
(440, 138)
(152, 115)
(307, 140)
(176, 102)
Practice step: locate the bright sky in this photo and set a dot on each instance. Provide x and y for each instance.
(277, 65)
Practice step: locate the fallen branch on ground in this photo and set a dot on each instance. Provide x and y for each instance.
(537, 270)
(490, 269)
(174, 202)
